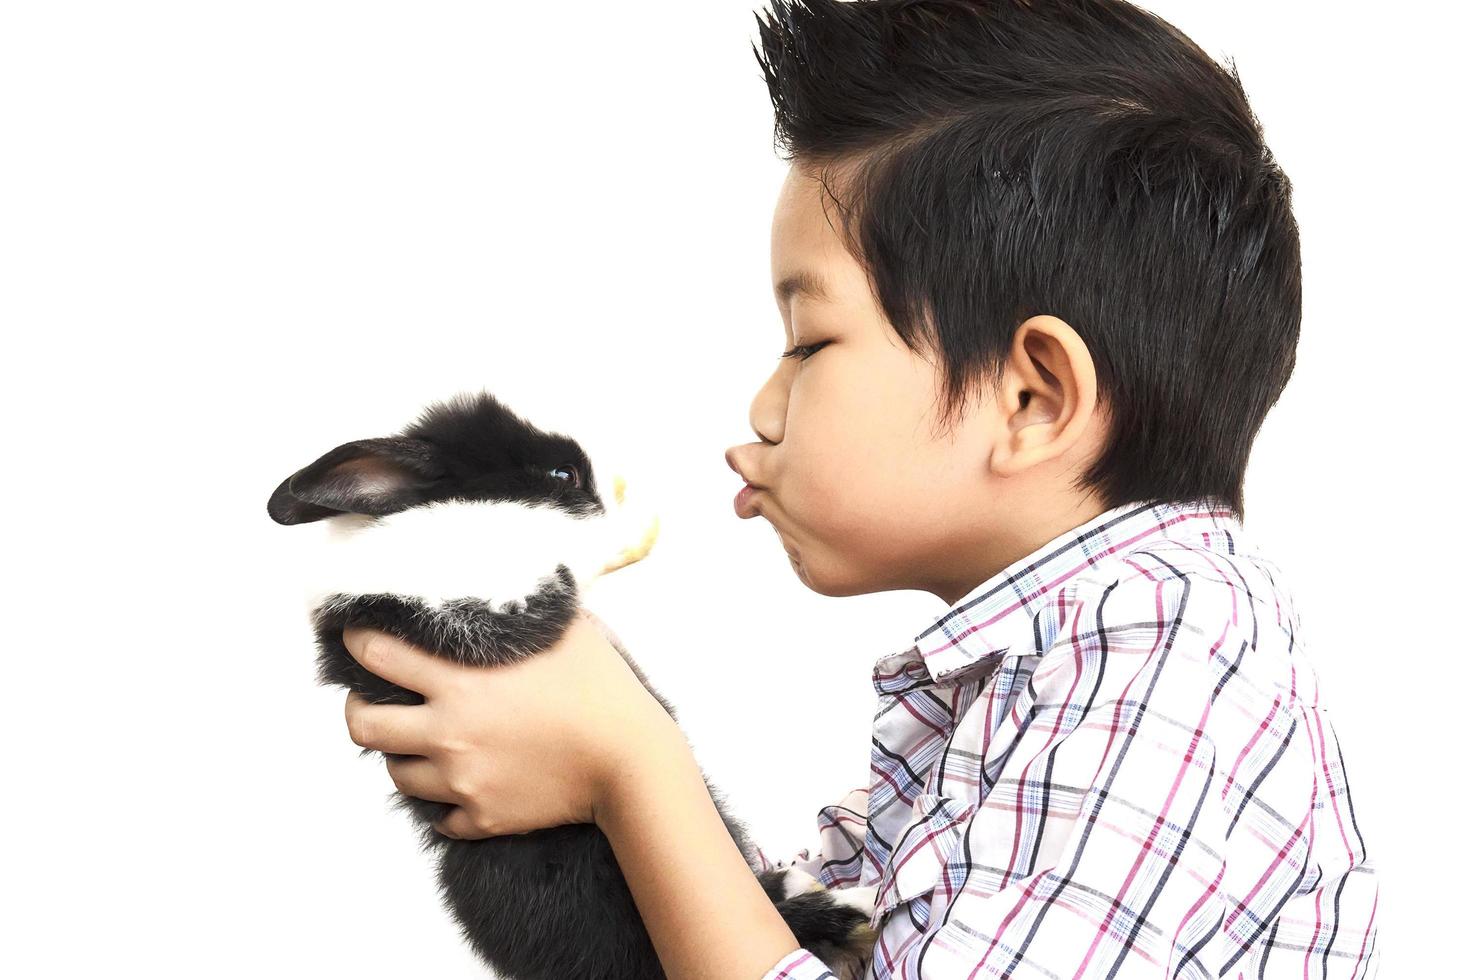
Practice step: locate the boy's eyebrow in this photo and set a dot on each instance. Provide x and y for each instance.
(804, 282)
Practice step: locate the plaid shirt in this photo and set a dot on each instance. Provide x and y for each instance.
(1111, 759)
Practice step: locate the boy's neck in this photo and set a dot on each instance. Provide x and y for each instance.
(1009, 533)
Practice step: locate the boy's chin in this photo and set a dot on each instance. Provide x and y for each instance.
(801, 573)
(824, 584)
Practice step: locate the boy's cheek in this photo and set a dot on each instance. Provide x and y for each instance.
(838, 537)
(817, 498)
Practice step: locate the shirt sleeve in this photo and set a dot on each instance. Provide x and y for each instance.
(1154, 817)
(799, 964)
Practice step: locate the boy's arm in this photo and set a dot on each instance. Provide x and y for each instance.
(702, 906)
(700, 902)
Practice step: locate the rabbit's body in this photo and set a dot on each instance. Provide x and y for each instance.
(405, 513)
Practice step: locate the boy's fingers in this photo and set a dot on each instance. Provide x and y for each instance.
(419, 778)
(386, 727)
(393, 659)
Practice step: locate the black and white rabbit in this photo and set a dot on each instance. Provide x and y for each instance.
(473, 534)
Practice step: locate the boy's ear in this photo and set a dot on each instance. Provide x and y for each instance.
(369, 476)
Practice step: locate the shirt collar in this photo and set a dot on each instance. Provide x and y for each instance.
(1003, 610)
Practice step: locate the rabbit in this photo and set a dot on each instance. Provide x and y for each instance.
(473, 535)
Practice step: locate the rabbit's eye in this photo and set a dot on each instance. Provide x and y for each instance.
(569, 474)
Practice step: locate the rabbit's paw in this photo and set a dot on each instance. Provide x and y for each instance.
(833, 923)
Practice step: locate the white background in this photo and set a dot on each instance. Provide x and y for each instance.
(236, 235)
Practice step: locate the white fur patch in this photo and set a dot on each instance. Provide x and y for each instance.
(860, 897)
(797, 881)
(496, 551)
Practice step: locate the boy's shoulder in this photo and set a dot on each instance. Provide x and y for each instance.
(1222, 597)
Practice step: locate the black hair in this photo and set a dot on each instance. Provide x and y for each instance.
(1081, 158)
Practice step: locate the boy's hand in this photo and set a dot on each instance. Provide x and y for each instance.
(515, 748)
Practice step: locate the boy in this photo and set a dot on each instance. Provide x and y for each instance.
(1041, 283)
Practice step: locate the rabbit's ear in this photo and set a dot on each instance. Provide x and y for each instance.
(369, 476)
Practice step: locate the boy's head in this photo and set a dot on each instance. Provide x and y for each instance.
(1060, 273)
